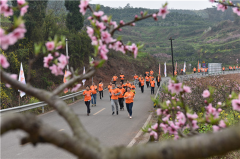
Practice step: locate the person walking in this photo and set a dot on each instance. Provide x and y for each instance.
(109, 89)
(151, 72)
(135, 77)
(158, 79)
(152, 83)
(114, 98)
(100, 89)
(122, 77)
(142, 84)
(147, 78)
(121, 96)
(139, 81)
(129, 96)
(114, 79)
(94, 94)
(87, 98)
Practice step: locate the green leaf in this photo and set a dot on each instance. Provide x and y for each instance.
(101, 63)
(98, 7)
(119, 38)
(145, 13)
(44, 50)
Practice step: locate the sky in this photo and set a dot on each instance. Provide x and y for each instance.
(156, 4)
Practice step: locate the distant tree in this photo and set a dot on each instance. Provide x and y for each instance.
(74, 19)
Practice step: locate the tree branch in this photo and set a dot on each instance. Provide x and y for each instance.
(52, 100)
(129, 23)
(89, 73)
(42, 133)
(201, 146)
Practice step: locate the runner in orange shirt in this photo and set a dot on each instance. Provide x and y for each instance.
(194, 70)
(234, 68)
(151, 72)
(114, 98)
(121, 96)
(87, 98)
(152, 83)
(122, 77)
(139, 81)
(109, 89)
(129, 96)
(158, 79)
(142, 84)
(114, 79)
(146, 73)
(133, 87)
(100, 89)
(147, 78)
(135, 77)
(94, 94)
(127, 85)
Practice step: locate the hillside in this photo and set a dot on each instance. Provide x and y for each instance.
(208, 34)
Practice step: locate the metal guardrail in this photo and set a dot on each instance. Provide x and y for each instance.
(36, 105)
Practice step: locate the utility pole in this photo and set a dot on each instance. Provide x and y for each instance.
(67, 52)
(172, 54)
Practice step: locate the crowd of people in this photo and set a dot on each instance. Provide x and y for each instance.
(118, 93)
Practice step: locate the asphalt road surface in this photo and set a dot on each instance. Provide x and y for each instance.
(110, 129)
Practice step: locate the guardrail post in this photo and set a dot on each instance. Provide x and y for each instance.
(42, 109)
(73, 99)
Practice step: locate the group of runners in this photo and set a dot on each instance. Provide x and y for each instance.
(232, 68)
(120, 92)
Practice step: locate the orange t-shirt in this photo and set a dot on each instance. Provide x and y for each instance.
(151, 72)
(109, 88)
(159, 79)
(135, 77)
(128, 85)
(122, 77)
(139, 79)
(147, 79)
(130, 95)
(100, 87)
(194, 69)
(93, 89)
(152, 83)
(115, 78)
(87, 95)
(133, 87)
(151, 77)
(142, 82)
(147, 73)
(122, 92)
(114, 91)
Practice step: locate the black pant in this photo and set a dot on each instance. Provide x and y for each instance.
(122, 81)
(152, 90)
(158, 84)
(88, 106)
(101, 94)
(114, 82)
(147, 84)
(142, 89)
(139, 84)
(120, 101)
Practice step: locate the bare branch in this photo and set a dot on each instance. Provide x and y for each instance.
(42, 133)
(201, 146)
(52, 100)
(89, 73)
(129, 23)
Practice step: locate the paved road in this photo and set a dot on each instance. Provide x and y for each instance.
(110, 129)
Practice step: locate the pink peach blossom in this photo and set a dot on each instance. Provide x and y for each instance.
(83, 6)
(3, 61)
(50, 45)
(24, 10)
(206, 94)
(163, 12)
(46, 60)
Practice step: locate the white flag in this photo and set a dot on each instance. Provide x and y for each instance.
(84, 80)
(22, 80)
(184, 67)
(165, 69)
